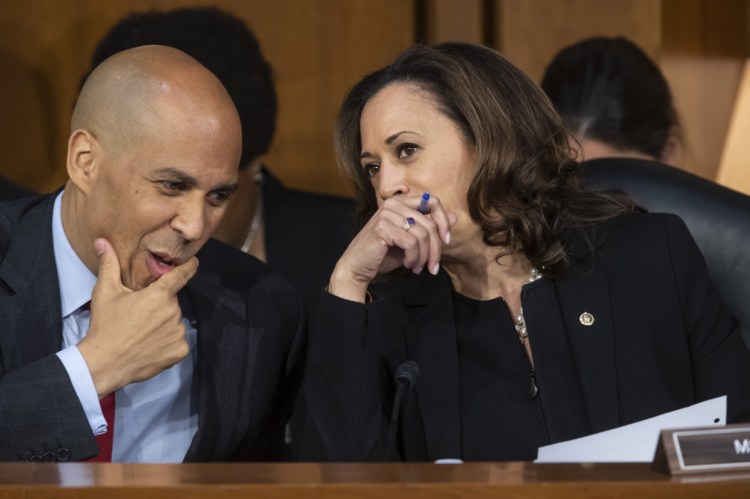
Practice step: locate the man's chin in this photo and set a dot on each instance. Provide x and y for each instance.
(136, 283)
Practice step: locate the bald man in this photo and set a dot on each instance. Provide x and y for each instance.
(112, 286)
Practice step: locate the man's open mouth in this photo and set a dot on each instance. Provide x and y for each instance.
(160, 263)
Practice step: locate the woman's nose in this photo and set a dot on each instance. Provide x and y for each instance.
(391, 181)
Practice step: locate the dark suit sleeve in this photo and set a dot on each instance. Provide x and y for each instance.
(344, 420)
(720, 358)
(41, 417)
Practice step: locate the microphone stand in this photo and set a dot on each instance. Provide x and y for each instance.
(406, 376)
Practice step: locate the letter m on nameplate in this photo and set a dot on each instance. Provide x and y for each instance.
(716, 449)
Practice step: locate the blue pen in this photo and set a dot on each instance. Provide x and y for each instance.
(423, 204)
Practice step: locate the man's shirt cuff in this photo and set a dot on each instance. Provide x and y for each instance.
(83, 384)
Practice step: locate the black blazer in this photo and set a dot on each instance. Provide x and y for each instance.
(251, 340)
(718, 218)
(661, 340)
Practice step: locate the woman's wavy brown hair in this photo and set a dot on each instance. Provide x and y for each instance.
(527, 192)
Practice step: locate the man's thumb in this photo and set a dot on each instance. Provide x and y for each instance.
(109, 266)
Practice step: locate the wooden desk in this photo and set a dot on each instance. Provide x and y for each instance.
(389, 481)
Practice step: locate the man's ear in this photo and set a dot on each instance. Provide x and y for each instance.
(82, 158)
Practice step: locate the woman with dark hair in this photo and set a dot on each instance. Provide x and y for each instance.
(614, 99)
(536, 311)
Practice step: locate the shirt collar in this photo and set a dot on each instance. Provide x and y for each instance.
(75, 279)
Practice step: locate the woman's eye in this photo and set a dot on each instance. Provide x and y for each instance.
(406, 150)
(371, 169)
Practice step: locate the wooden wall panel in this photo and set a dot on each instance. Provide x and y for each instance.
(734, 168)
(33, 83)
(454, 20)
(318, 48)
(704, 90)
(704, 45)
(531, 32)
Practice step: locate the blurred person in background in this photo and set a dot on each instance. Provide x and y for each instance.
(615, 101)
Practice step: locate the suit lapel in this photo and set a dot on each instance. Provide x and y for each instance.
(222, 354)
(431, 342)
(33, 303)
(583, 299)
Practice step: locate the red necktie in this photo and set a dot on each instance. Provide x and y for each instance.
(104, 441)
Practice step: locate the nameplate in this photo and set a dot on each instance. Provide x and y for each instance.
(704, 450)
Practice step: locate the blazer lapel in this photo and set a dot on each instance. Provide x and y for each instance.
(585, 305)
(431, 342)
(33, 297)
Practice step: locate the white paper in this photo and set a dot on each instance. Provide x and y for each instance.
(635, 442)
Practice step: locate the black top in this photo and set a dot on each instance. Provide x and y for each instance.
(499, 420)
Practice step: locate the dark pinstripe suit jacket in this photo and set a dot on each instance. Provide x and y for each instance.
(251, 340)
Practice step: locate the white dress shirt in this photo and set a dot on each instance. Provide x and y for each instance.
(154, 420)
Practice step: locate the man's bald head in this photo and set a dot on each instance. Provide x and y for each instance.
(147, 90)
(153, 158)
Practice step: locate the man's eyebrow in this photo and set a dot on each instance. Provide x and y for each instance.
(388, 141)
(227, 188)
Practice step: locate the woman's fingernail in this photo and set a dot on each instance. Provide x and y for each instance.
(448, 237)
(435, 269)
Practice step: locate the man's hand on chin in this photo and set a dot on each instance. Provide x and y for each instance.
(133, 335)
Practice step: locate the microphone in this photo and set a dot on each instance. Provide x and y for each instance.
(406, 376)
